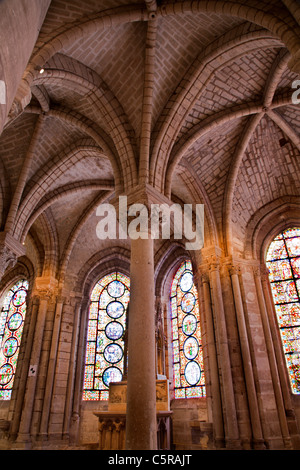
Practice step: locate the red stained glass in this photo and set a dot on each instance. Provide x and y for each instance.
(12, 318)
(104, 359)
(283, 262)
(189, 378)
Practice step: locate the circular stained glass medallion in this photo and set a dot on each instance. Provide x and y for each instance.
(111, 374)
(192, 372)
(19, 297)
(6, 374)
(189, 324)
(113, 353)
(115, 309)
(10, 347)
(114, 330)
(15, 321)
(116, 289)
(186, 281)
(188, 302)
(190, 348)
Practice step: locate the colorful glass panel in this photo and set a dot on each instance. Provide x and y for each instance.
(11, 328)
(283, 263)
(188, 370)
(104, 358)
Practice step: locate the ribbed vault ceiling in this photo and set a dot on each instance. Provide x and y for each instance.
(213, 74)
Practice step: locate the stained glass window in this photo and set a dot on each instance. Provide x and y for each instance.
(104, 359)
(283, 263)
(189, 379)
(12, 318)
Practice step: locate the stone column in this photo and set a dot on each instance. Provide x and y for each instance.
(83, 312)
(51, 369)
(44, 289)
(258, 440)
(72, 371)
(284, 407)
(276, 339)
(17, 410)
(213, 366)
(231, 426)
(141, 383)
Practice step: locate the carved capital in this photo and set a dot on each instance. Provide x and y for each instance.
(214, 265)
(8, 259)
(45, 288)
(205, 278)
(234, 269)
(10, 250)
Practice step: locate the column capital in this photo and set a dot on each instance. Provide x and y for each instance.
(204, 278)
(234, 269)
(211, 257)
(45, 288)
(214, 265)
(10, 250)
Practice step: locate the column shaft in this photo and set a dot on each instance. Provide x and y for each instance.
(25, 424)
(51, 370)
(232, 431)
(213, 368)
(247, 364)
(141, 383)
(72, 371)
(24, 371)
(78, 373)
(273, 364)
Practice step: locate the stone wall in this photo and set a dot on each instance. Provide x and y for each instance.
(190, 427)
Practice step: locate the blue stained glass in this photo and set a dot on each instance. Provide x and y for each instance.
(10, 347)
(186, 281)
(112, 374)
(113, 353)
(115, 309)
(190, 348)
(11, 328)
(189, 380)
(116, 289)
(192, 373)
(188, 302)
(109, 301)
(189, 324)
(15, 321)
(114, 330)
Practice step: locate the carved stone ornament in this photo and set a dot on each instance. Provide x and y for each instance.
(8, 259)
(10, 250)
